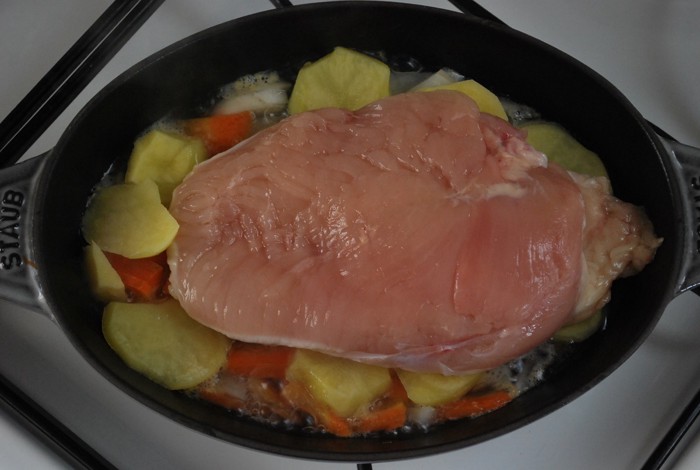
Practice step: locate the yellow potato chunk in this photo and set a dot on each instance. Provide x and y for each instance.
(342, 384)
(436, 389)
(577, 332)
(128, 219)
(105, 283)
(561, 148)
(166, 158)
(487, 101)
(342, 79)
(163, 343)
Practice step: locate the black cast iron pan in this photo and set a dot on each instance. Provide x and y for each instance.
(42, 200)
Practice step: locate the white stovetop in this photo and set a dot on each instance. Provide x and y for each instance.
(650, 49)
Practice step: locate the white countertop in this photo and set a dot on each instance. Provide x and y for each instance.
(649, 49)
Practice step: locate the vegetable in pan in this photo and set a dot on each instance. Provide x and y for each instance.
(287, 378)
(128, 219)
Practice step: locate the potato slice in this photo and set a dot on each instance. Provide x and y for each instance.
(487, 101)
(105, 282)
(582, 330)
(342, 384)
(436, 389)
(128, 219)
(444, 76)
(560, 147)
(166, 158)
(343, 79)
(163, 343)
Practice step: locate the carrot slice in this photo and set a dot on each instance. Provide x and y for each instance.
(220, 132)
(384, 419)
(259, 361)
(221, 398)
(144, 278)
(391, 412)
(397, 391)
(474, 405)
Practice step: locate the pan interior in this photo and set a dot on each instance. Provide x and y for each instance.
(178, 80)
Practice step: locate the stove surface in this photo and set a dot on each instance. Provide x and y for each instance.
(650, 50)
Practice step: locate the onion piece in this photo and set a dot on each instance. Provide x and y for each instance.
(258, 92)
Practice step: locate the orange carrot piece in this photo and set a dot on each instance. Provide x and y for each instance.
(144, 278)
(220, 132)
(397, 391)
(333, 423)
(390, 414)
(475, 405)
(221, 398)
(259, 361)
(384, 419)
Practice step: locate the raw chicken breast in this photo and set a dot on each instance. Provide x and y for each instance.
(412, 233)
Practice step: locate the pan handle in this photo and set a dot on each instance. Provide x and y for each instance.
(18, 273)
(687, 160)
(279, 4)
